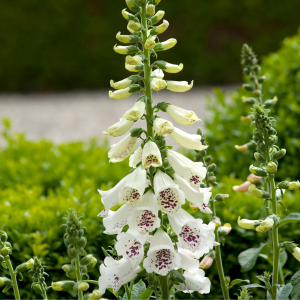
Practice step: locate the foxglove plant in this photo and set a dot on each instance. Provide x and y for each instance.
(267, 155)
(162, 237)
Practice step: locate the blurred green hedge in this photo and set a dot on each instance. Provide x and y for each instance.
(63, 45)
(225, 128)
(40, 181)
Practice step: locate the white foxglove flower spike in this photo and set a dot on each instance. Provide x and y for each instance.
(145, 217)
(162, 126)
(182, 116)
(125, 82)
(169, 197)
(124, 93)
(161, 257)
(169, 68)
(136, 157)
(133, 60)
(151, 155)
(119, 128)
(158, 84)
(135, 112)
(122, 149)
(134, 187)
(170, 43)
(186, 140)
(179, 86)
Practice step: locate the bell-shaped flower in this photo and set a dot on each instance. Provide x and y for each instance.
(253, 178)
(145, 217)
(150, 10)
(130, 245)
(192, 233)
(135, 26)
(168, 195)
(179, 86)
(243, 188)
(150, 43)
(265, 225)
(247, 224)
(133, 6)
(192, 172)
(127, 16)
(161, 257)
(200, 197)
(158, 84)
(119, 128)
(124, 93)
(158, 73)
(166, 45)
(181, 116)
(136, 157)
(157, 17)
(116, 220)
(160, 28)
(186, 140)
(122, 84)
(133, 60)
(135, 112)
(122, 149)
(125, 49)
(162, 126)
(296, 253)
(126, 39)
(115, 273)
(134, 187)
(169, 68)
(151, 155)
(135, 68)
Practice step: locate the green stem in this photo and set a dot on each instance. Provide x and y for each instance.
(165, 292)
(127, 291)
(44, 293)
(13, 276)
(78, 277)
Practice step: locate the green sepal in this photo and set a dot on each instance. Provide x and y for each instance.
(133, 6)
(136, 132)
(162, 106)
(279, 154)
(6, 288)
(282, 204)
(132, 49)
(134, 38)
(133, 88)
(161, 64)
(134, 78)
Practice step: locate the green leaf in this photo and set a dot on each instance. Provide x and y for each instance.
(248, 258)
(284, 292)
(6, 288)
(237, 281)
(146, 295)
(178, 276)
(105, 252)
(291, 218)
(254, 285)
(283, 258)
(295, 281)
(137, 290)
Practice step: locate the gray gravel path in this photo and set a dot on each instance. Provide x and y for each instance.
(81, 115)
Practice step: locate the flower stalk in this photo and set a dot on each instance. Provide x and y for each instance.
(13, 276)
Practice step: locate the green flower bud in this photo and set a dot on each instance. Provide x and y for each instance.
(86, 260)
(155, 2)
(258, 157)
(283, 185)
(92, 264)
(150, 10)
(248, 87)
(37, 288)
(25, 266)
(157, 17)
(257, 69)
(68, 268)
(261, 79)
(211, 167)
(72, 252)
(253, 190)
(62, 285)
(132, 6)
(294, 185)
(135, 26)
(5, 251)
(279, 154)
(256, 93)
(271, 102)
(5, 281)
(221, 197)
(272, 167)
(208, 159)
(262, 146)
(202, 185)
(272, 140)
(3, 236)
(212, 179)
(95, 295)
(258, 171)
(83, 286)
(82, 242)
(1, 259)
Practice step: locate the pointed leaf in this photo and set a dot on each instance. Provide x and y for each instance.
(283, 258)
(237, 281)
(178, 276)
(6, 288)
(291, 218)
(284, 292)
(137, 290)
(295, 281)
(254, 285)
(146, 295)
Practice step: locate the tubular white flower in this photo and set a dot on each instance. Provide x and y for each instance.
(157, 84)
(186, 140)
(119, 128)
(199, 197)
(133, 60)
(265, 225)
(157, 17)
(151, 155)
(168, 195)
(134, 68)
(135, 112)
(145, 217)
(179, 86)
(150, 43)
(125, 49)
(158, 73)
(192, 172)
(170, 43)
(135, 26)
(192, 233)
(162, 126)
(161, 257)
(122, 149)
(247, 224)
(115, 273)
(134, 187)
(130, 245)
(127, 16)
(296, 253)
(167, 67)
(150, 10)
(160, 28)
(136, 157)
(126, 39)
(181, 116)
(124, 93)
(125, 82)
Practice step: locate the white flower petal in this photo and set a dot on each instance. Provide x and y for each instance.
(162, 126)
(136, 157)
(181, 116)
(151, 155)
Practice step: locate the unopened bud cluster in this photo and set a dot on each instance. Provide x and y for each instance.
(38, 281)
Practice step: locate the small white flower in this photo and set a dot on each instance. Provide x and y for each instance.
(161, 257)
(119, 128)
(181, 116)
(162, 126)
(247, 224)
(179, 86)
(122, 84)
(122, 149)
(135, 112)
(124, 93)
(135, 26)
(157, 84)
(126, 39)
(169, 197)
(125, 49)
(192, 172)
(115, 273)
(134, 187)
(161, 28)
(145, 217)
(296, 253)
(157, 17)
(265, 225)
(133, 60)
(150, 43)
(169, 68)
(136, 157)
(158, 73)
(166, 45)
(151, 155)
(134, 68)
(186, 140)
